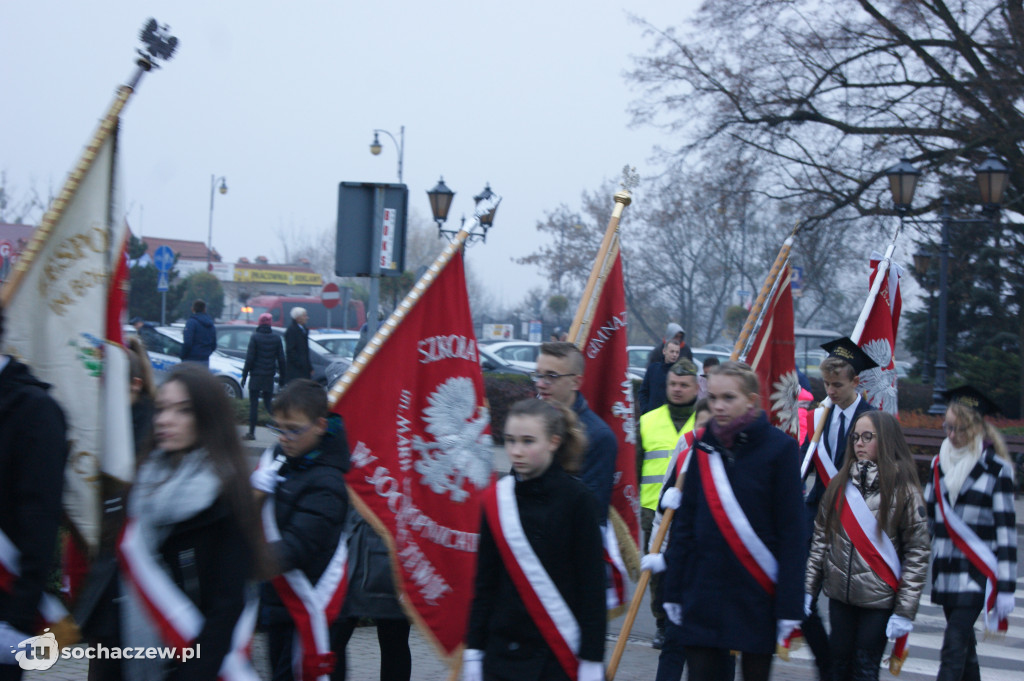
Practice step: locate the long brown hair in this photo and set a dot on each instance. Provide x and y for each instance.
(216, 431)
(558, 420)
(897, 474)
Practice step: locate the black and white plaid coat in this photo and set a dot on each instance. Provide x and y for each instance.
(985, 504)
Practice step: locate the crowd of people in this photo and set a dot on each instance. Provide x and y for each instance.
(207, 549)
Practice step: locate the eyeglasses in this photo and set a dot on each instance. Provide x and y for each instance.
(289, 433)
(546, 378)
(949, 428)
(867, 436)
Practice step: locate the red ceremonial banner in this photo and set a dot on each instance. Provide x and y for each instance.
(419, 433)
(878, 339)
(608, 389)
(772, 356)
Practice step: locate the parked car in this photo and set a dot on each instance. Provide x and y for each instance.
(233, 340)
(341, 343)
(163, 345)
(638, 359)
(491, 363)
(522, 354)
(701, 354)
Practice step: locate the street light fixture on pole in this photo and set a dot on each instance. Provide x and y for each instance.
(992, 177)
(376, 147)
(209, 235)
(441, 201)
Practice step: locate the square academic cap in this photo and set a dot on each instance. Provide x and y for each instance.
(971, 397)
(846, 350)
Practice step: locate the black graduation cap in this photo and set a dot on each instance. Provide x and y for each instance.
(971, 397)
(848, 351)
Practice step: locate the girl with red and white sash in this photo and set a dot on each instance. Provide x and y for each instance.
(870, 547)
(974, 536)
(538, 607)
(737, 549)
(191, 541)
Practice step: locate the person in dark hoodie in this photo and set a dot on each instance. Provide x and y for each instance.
(200, 339)
(652, 390)
(673, 333)
(263, 359)
(305, 476)
(33, 451)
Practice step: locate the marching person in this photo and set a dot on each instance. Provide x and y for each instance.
(200, 337)
(296, 347)
(304, 521)
(538, 609)
(870, 548)
(264, 358)
(652, 390)
(973, 527)
(191, 542)
(736, 552)
(840, 372)
(33, 451)
(660, 430)
(675, 334)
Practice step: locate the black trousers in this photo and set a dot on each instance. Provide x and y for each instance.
(817, 640)
(393, 639)
(857, 642)
(259, 385)
(958, 660)
(715, 664)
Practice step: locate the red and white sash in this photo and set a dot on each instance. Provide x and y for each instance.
(51, 610)
(971, 545)
(732, 522)
(176, 617)
(543, 601)
(312, 607)
(615, 591)
(823, 464)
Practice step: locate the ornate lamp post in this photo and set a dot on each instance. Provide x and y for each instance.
(376, 147)
(993, 176)
(922, 267)
(209, 235)
(441, 201)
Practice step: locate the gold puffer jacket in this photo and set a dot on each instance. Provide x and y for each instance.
(835, 565)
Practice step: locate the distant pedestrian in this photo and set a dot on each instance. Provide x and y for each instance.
(296, 347)
(652, 390)
(33, 451)
(200, 338)
(264, 359)
(974, 530)
(673, 332)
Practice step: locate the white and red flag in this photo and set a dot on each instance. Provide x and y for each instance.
(772, 355)
(419, 432)
(878, 340)
(608, 389)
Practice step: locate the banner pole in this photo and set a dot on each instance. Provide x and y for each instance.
(602, 265)
(754, 316)
(42, 233)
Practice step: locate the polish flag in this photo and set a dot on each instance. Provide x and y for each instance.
(878, 339)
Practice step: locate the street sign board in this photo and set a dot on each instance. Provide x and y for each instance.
(797, 281)
(6, 248)
(163, 258)
(330, 295)
(366, 210)
(161, 282)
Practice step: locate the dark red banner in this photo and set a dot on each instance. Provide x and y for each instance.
(419, 432)
(773, 357)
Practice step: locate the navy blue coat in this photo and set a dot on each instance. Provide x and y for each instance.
(652, 391)
(814, 496)
(723, 605)
(598, 472)
(200, 338)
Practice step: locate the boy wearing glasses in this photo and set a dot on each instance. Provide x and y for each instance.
(558, 378)
(308, 502)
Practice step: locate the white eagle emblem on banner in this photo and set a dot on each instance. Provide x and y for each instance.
(461, 449)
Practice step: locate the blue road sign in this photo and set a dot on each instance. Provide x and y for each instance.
(161, 282)
(163, 258)
(797, 282)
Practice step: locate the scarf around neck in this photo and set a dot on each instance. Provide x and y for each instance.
(726, 435)
(957, 463)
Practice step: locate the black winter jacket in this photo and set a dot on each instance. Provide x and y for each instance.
(559, 518)
(265, 355)
(33, 451)
(310, 506)
(371, 591)
(296, 352)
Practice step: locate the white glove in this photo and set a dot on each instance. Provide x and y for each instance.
(674, 612)
(590, 671)
(898, 626)
(784, 628)
(671, 498)
(9, 640)
(265, 479)
(1004, 605)
(808, 604)
(655, 562)
(472, 665)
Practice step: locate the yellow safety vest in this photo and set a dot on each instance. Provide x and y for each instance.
(659, 437)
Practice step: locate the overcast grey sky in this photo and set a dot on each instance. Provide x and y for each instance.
(282, 98)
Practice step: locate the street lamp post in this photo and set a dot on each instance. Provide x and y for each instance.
(441, 202)
(376, 147)
(992, 177)
(922, 266)
(209, 235)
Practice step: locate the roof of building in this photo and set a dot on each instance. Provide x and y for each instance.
(186, 250)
